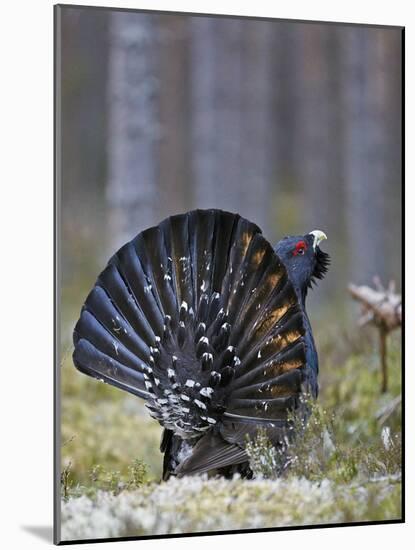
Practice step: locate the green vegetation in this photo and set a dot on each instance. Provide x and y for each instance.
(102, 480)
(101, 425)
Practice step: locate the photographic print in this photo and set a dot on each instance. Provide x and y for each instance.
(228, 274)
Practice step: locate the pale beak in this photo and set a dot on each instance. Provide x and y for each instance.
(318, 237)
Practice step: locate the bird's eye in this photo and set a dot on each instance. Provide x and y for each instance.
(300, 248)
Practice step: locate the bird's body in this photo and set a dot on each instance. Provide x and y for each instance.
(203, 319)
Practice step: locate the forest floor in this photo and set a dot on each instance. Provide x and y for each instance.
(195, 504)
(346, 467)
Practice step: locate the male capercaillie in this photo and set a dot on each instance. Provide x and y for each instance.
(202, 318)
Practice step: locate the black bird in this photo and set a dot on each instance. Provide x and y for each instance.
(203, 319)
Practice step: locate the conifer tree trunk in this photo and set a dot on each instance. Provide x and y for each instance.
(215, 80)
(175, 182)
(133, 131)
(230, 114)
(318, 127)
(369, 146)
(257, 126)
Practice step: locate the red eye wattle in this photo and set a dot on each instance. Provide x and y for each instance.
(300, 248)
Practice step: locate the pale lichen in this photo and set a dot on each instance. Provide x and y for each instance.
(198, 504)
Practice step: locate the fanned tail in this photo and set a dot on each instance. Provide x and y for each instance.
(198, 317)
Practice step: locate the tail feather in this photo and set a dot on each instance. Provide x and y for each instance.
(177, 236)
(263, 317)
(201, 229)
(91, 329)
(198, 317)
(104, 311)
(141, 288)
(210, 453)
(288, 330)
(108, 370)
(150, 248)
(291, 357)
(242, 237)
(224, 236)
(288, 383)
(122, 298)
(246, 281)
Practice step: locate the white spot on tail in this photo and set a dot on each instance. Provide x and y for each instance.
(206, 392)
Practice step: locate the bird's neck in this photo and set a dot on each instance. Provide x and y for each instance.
(301, 293)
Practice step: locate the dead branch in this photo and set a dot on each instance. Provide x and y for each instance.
(381, 307)
(385, 412)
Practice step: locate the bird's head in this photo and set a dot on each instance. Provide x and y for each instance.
(304, 259)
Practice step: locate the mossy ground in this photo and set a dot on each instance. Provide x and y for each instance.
(346, 466)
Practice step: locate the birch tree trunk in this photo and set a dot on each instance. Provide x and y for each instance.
(133, 131)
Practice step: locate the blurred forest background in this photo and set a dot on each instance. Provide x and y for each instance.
(296, 126)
